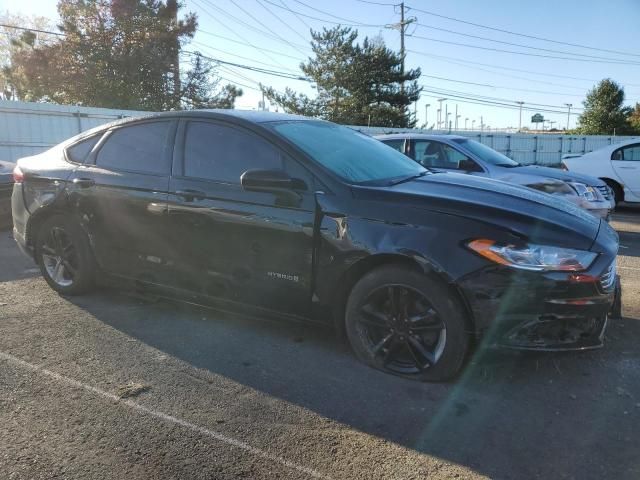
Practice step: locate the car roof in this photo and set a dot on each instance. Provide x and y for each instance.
(421, 136)
(254, 116)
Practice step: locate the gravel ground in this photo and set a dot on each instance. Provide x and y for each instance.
(112, 386)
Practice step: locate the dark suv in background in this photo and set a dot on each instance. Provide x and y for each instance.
(300, 218)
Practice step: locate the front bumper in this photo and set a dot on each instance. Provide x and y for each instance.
(542, 311)
(546, 310)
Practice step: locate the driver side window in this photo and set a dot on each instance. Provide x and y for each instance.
(432, 154)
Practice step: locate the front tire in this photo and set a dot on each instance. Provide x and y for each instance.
(406, 323)
(618, 192)
(64, 256)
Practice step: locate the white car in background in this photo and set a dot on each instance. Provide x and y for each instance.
(618, 165)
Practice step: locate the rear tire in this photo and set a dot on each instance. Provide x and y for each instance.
(64, 256)
(406, 323)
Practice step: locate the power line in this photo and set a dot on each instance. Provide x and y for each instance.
(501, 87)
(238, 83)
(204, 45)
(485, 97)
(355, 22)
(502, 67)
(465, 97)
(615, 62)
(502, 74)
(259, 22)
(248, 44)
(249, 67)
(228, 15)
(478, 37)
(36, 30)
(521, 34)
(296, 15)
(352, 23)
(282, 21)
(379, 3)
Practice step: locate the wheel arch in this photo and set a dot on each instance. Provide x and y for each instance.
(614, 184)
(365, 265)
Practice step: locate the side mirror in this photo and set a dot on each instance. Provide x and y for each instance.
(270, 180)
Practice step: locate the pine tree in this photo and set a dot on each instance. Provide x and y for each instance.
(356, 83)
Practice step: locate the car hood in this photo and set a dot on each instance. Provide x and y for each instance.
(540, 217)
(529, 173)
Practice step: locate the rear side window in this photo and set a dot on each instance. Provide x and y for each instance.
(140, 148)
(395, 144)
(78, 152)
(221, 153)
(630, 153)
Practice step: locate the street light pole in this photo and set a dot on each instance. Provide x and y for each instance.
(457, 117)
(426, 117)
(568, 105)
(473, 124)
(446, 115)
(520, 121)
(440, 100)
(465, 122)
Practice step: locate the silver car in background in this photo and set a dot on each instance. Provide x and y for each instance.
(464, 155)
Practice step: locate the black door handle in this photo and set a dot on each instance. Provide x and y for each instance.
(190, 195)
(84, 182)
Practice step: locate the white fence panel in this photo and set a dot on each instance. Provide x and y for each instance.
(29, 128)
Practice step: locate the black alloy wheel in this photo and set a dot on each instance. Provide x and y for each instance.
(402, 329)
(407, 323)
(64, 256)
(59, 257)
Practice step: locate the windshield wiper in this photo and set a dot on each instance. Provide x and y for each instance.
(509, 165)
(407, 179)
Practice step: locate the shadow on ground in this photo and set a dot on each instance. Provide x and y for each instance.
(13, 264)
(509, 415)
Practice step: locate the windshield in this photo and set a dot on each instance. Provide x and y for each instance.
(485, 153)
(353, 156)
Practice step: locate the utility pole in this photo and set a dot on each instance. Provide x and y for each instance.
(457, 117)
(426, 118)
(172, 8)
(520, 121)
(568, 105)
(481, 124)
(402, 27)
(473, 124)
(465, 122)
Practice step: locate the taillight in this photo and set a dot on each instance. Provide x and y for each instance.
(18, 176)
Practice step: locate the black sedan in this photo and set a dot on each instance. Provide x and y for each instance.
(6, 186)
(305, 219)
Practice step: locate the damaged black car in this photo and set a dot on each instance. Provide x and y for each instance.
(304, 219)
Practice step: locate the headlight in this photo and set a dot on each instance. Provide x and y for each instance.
(534, 257)
(585, 191)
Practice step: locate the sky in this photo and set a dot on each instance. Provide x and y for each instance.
(455, 63)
